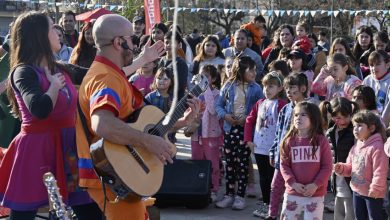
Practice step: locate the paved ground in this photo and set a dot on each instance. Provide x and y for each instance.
(212, 213)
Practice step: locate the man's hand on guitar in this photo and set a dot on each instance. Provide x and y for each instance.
(159, 147)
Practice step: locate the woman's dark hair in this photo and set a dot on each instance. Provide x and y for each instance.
(29, 44)
(341, 59)
(240, 65)
(279, 65)
(177, 38)
(367, 95)
(83, 53)
(279, 30)
(313, 36)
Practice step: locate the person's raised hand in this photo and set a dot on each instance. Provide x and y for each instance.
(152, 52)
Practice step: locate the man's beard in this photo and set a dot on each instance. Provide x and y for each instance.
(127, 57)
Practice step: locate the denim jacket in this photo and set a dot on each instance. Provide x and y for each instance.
(156, 99)
(225, 101)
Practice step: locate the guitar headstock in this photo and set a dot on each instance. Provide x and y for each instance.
(55, 197)
(201, 81)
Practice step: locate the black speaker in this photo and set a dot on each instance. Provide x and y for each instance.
(186, 183)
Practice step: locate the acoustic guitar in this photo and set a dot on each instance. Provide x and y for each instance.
(133, 170)
(58, 210)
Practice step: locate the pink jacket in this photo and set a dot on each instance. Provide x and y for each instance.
(367, 165)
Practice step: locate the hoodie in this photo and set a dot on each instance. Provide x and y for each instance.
(367, 165)
(381, 89)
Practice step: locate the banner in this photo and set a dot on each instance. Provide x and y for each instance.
(152, 14)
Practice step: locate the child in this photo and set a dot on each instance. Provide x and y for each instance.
(161, 96)
(341, 140)
(166, 61)
(143, 79)
(337, 79)
(379, 80)
(296, 87)
(280, 66)
(367, 165)
(306, 164)
(381, 41)
(256, 28)
(301, 30)
(236, 99)
(364, 96)
(298, 64)
(206, 142)
(260, 128)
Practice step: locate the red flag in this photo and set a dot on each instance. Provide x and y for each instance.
(152, 14)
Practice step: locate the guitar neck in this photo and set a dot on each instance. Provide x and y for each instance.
(180, 108)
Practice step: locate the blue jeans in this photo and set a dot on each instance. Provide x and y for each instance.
(367, 208)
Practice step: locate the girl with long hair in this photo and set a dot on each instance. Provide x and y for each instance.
(84, 52)
(42, 95)
(236, 99)
(210, 52)
(337, 79)
(305, 148)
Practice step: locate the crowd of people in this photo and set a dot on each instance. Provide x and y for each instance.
(314, 113)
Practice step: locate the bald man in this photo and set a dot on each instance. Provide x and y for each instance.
(107, 99)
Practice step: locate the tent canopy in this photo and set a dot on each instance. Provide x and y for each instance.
(94, 14)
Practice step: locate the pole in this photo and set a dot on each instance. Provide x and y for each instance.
(167, 1)
(331, 23)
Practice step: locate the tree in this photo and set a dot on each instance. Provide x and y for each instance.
(132, 8)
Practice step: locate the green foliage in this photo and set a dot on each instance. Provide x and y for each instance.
(132, 8)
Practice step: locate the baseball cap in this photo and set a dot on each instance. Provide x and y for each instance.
(138, 18)
(296, 54)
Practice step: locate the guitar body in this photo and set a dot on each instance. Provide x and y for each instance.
(121, 168)
(132, 170)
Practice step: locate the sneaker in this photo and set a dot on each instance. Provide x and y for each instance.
(329, 206)
(227, 201)
(213, 197)
(239, 203)
(270, 218)
(262, 211)
(251, 191)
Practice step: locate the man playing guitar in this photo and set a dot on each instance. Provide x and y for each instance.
(107, 100)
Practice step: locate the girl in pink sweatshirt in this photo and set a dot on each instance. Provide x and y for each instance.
(306, 164)
(367, 165)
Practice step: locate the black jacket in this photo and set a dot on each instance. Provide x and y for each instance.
(340, 150)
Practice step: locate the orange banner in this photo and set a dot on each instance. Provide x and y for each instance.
(152, 14)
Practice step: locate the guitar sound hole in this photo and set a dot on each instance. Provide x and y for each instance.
(153, 131)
